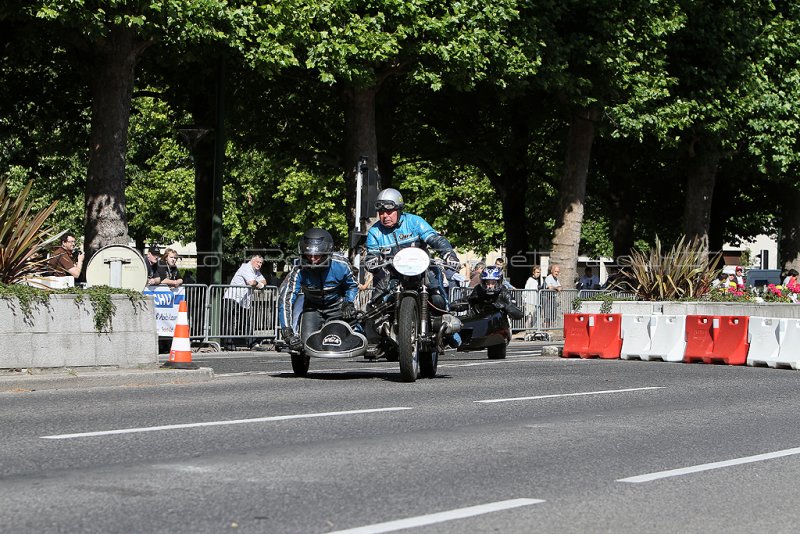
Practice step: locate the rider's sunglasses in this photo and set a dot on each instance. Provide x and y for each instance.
(385, 205)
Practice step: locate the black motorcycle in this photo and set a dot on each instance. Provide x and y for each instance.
(401, 322)
(485, 325)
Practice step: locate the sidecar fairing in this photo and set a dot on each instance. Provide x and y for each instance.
(481, 331)
(336, 339)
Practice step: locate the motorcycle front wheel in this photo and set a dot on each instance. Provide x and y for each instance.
(407, 344)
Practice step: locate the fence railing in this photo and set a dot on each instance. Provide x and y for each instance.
(228, 312)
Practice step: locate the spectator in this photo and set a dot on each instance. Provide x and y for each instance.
(739, 278)
(237, 299)
(151, 260)
(168, 269)
(500, 263)
(791, 277)
(720, 280)
(533, 283)
(551, 282)
(475, 275)
(588, 280)
(65, 260)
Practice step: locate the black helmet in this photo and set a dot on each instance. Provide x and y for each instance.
(315, 242)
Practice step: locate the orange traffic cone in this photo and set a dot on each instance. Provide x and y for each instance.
(180, 354)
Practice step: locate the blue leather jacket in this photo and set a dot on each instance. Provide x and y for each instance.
(322, 287)
(411, 230)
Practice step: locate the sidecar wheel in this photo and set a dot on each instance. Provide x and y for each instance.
(300, 364)
(407, 344)
(497, 352)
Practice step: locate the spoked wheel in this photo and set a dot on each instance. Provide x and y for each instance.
(300, 364)
(428, 362)
(407, 344)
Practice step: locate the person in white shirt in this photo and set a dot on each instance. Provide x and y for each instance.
(533, 283)
(551, 282)
(236, 302)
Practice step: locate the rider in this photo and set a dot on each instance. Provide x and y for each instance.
(491, 295)
(327, 286)
(396, 230)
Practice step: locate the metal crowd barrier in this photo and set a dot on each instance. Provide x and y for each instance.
(231, 313)
(196, 296)
(241, 312)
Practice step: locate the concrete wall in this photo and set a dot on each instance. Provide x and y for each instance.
(777, 309)
(62, 334)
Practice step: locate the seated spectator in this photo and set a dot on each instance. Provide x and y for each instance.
(151, 260)
(588, 280)
(65, 260)
(738, 276)
(168, 270)
(791, 278)
(720, 280)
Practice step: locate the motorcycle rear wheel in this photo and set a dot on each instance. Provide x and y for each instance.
(407, 344)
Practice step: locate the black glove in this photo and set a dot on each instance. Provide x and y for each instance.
(348, 310)
(452, 261)
(292, 340)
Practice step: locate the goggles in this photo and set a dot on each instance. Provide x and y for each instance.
(386, 205)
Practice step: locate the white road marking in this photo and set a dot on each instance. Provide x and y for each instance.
(440, 517)
(221, 423)
(487, 401)
(707, 467)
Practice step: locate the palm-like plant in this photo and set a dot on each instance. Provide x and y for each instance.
(25, 235)
(685, 271)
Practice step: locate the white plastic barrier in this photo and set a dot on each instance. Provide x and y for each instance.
(668, 335)
(635, 337)
(774, 342)
(764, 335)
(789, 353)
(653, 337)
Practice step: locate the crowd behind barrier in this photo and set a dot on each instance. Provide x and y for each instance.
(213, 316)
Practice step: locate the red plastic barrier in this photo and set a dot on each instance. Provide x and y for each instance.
(592, 335)
(576, 335)
(716, 339)
(605, 339)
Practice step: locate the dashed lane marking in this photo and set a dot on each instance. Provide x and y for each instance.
(537, 397)
(430, 519)
(708, 467)
(222, 423)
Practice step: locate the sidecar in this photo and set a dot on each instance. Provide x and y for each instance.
(490, 331)
(336, 339)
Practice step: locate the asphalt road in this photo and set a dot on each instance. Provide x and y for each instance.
(527, 444)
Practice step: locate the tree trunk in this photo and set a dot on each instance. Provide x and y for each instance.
(112, 80)
(360, 139)
(514, 194)
(572, 194)
(789, 245)
(201, 142)
(703, 157)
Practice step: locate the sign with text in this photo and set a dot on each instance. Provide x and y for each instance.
(165, 303)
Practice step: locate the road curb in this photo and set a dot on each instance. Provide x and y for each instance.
(77, 378)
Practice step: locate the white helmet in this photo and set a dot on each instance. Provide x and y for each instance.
(389, 199)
